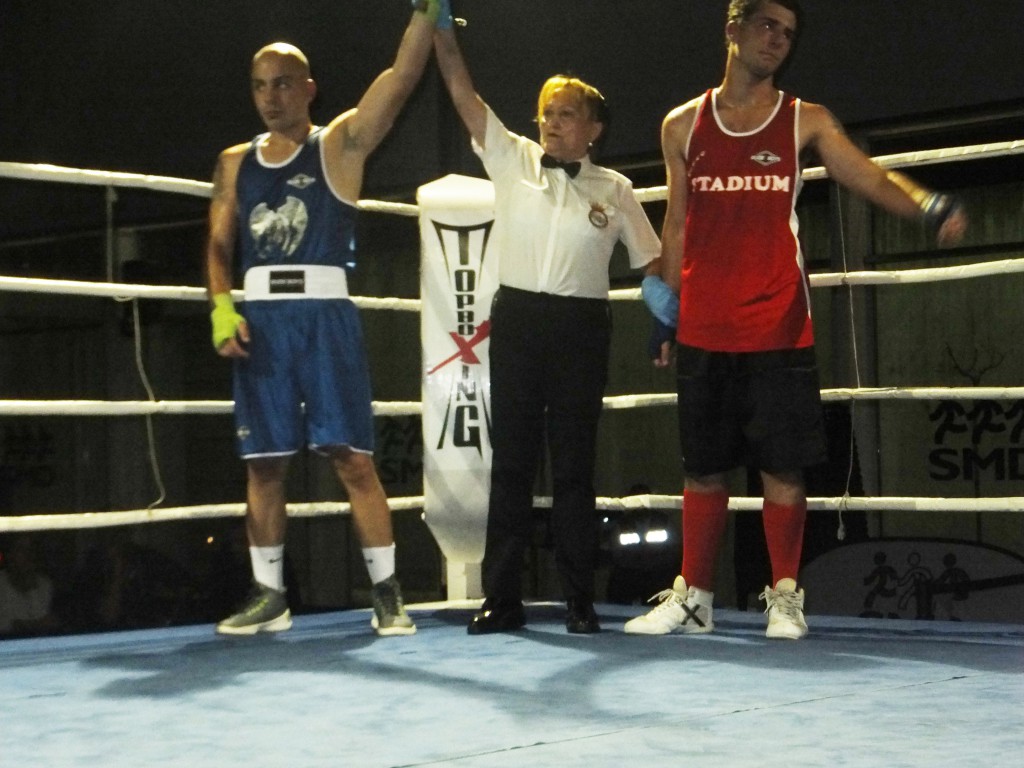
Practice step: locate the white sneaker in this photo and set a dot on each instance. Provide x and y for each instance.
(785, 610)
(683, 610)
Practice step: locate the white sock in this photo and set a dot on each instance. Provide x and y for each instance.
(703, 597)
(380, 562)
(268, 566)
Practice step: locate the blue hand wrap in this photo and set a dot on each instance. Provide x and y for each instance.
(660, 333)
(938, 207)
(658, 297)
(444, 17)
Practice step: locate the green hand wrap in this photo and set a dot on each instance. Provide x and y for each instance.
(430, 8)
(225, 319)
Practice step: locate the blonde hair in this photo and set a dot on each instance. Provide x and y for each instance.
(588, 95)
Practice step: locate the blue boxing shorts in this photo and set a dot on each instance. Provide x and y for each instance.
(302, 352)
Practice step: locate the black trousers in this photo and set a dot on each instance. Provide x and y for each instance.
(549, 367)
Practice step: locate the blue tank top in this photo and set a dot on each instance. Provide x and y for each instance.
(288, 214)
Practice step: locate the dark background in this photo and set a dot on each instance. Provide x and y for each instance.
(160, 87)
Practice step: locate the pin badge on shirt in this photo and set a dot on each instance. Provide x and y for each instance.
(597, 216)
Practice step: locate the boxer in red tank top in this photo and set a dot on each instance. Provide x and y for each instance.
(747, 377)
(742, 286)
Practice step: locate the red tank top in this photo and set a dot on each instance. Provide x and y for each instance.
(743, 286)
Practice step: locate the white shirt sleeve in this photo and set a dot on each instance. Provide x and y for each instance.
(638, 235)
(501, 151)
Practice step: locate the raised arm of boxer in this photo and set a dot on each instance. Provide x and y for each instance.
(353, 135)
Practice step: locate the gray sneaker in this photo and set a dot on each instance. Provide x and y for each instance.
(264, 610)
(389, 616)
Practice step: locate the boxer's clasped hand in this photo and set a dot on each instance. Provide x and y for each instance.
(436, 11)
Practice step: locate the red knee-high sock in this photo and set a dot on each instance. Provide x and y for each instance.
(784, 532)
(704, 518)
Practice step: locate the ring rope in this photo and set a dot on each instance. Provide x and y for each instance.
(172, 514)
(203, 189)
(55, 173)
(77, 520)
(123, 291)
(166, 407)
(838, 394)
(901, 160)
(826, 503)
(181, 292)
(60, 174)
(414, 408)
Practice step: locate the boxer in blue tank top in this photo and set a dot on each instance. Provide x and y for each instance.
(285, 203)
(305, 346)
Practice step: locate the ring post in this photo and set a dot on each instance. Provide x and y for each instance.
(458, 278)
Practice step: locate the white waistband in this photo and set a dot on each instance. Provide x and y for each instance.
(302, 281)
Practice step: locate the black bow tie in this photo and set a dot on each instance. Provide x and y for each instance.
(570, 168)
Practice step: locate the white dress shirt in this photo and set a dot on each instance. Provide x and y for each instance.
(555, 234)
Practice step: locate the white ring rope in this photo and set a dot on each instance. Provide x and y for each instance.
(62, 175)
(889, 277)
(902, 160)
(826, 503)
(111, 519)
(54, 173)
(122, 291)
(413, 408)
(908, 276)
(172, 514)
(843, 394)
(189, 293)
(935, 156)
(166, 407)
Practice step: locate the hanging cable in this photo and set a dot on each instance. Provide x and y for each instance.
(841, 530)
(154, 461)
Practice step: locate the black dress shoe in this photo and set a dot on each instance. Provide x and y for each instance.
(581, 618)
(498, 616)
